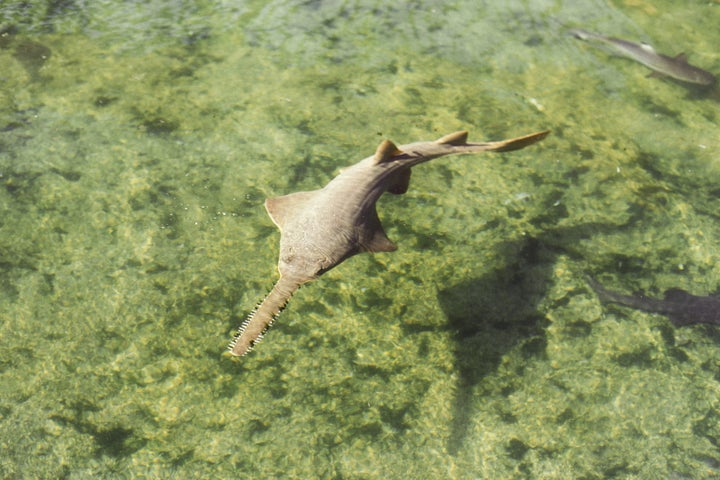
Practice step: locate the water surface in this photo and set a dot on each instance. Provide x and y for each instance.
(138, 142)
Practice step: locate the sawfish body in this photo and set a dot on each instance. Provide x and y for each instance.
(321, 228)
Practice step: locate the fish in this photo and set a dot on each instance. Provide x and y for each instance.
(681, 307)
(320, 229)
(674, 67)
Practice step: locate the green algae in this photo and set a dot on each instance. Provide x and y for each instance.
(133, 241)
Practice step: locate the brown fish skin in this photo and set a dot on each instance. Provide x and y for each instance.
(319, 229)
(674, 67)
(681, 307)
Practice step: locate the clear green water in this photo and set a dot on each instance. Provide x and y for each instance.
(138, 141)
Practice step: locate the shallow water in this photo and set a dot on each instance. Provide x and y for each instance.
(139, 140)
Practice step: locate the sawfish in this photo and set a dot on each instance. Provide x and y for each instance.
(320, 229)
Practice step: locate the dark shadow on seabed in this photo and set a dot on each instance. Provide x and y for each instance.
(491, 315)
(498, 312)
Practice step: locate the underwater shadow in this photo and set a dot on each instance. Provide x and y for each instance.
(491, 315)
(499, 312)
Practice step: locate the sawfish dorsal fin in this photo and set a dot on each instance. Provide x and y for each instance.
(456, 138)
(385, 151)
(681, 57)
(282, 208)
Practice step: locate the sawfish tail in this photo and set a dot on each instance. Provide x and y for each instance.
(259, 321)
(515, 143)
(457, 143)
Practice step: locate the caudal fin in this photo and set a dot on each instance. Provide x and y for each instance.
(516, 143)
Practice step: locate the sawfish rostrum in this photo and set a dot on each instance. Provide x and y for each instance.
(321, 228)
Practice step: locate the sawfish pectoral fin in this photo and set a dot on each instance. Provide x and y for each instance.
(284, 207)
